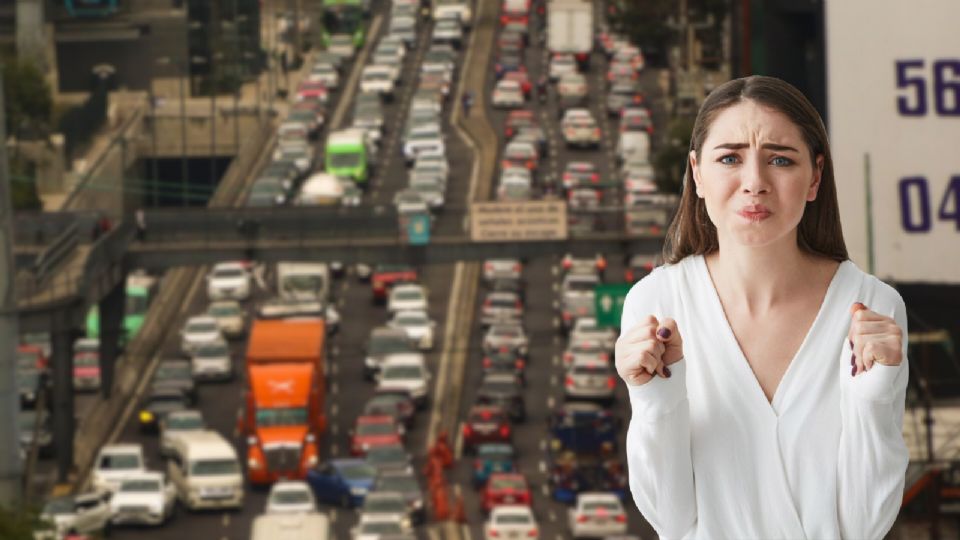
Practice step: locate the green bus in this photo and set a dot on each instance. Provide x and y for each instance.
(344, 17)
(134, 313)
(350, 154)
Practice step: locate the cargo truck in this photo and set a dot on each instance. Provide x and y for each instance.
(570, 29)
(284, 416)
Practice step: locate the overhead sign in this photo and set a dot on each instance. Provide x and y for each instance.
(418, 229)
(894, 117)
(518, 221)
(609, 298)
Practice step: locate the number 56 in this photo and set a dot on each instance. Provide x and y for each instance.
(946, 87)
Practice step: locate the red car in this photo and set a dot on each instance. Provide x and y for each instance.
(386, 275)
(31, 355)
(523, 79)
(505, 488)
(518, 119)
(313, 91)
(373, 431)
(485, 423)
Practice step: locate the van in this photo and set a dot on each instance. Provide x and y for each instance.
(312, 525)
(320, 189)
(633, 146)
(206, 472)
(303, 280)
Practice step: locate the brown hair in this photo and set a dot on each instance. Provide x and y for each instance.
(692, 233)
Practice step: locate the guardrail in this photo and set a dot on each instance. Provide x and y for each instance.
(56, 252)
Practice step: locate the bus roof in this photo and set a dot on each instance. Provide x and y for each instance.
(346, 137)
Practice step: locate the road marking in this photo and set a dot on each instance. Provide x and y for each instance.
(546, 490)
(226, 520)
(333, 515)
(458, 446)
(556, 339)
(350, 89)
(543, 466)
(553, 515)
(334, 429)
(551, 402)
(556, 287)
(556, 360)
(555, 271)
(336, 350)
(340, 303)
(334, 409)
(543, 445)
(556, 323)
(448, 331)
(465, 532)
(553, 379)
(334, 450)
(334, 388)
(334, 368)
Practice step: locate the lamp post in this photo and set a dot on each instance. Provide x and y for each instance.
(184, 172)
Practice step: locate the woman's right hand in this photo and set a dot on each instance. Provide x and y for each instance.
(647, 349)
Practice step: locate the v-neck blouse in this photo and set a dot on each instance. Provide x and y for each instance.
(708, 455)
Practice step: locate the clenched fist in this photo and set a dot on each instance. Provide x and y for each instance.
(647, 349)
(874, 338)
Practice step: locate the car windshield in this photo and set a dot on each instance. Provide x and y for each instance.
(173, 371)
(581, 285)
(140, 485)
(499, 387)
(412, 319)
(213, 350)
(385, 344)
(358, 471)
(506, 331)
(345, 160)
(513, 519)
(381, 504)
(380, 527)
(203, 327)
(408, 294)
(86, 360)
(381, 454)
(490, 451)
(229, 273)
(600, 505)
(224, 310)
(185, 422)
(402, 372)
(63, 505)
(378, 428)
(290, 496)
(281, 416)
(214, 467)
(401, 483)
(119, 462)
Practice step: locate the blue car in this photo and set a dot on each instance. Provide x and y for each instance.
(583, 427)
(572, 473)
(492, 458)
(342, 481)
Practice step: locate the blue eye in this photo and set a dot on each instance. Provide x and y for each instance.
(725, 159)
(781, 161)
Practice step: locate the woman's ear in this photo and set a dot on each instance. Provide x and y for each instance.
(695, 172)
(817, 176)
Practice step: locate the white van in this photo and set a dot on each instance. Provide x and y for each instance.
(314, 526)
(206, 472)
(303, 280)
(320, 189)
(633, 145)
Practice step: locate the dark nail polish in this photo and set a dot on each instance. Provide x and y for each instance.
(664, 333)
(666, 370)
(853, 371)
(853, 359)
(851, 343)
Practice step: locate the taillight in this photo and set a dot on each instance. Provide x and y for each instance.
(601, 263)
(596, 132)
(478, 465)
(637, 99)
(488, 267)
(487, 362)
(582, 519)
(530, 164)
(566, 315)
(567, 358)
(594, 178)
(569, 381)
(508, 132)
(611, 383)
(504, 349)
(605, 357)
(487, 303)
(628, 275)
(598, 194)
(567, 263)
(494, 533)
(516, 268)
(519, 364)
(467, 430)
(518, 305)
(621, 518)
(504, 431)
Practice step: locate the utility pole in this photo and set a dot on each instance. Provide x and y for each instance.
(11, 470)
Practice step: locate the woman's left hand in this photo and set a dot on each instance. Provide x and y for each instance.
(875, 340)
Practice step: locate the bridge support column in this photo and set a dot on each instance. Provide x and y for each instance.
(111, 332)
(61, 405)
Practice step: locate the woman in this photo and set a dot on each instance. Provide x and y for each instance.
(766, 372)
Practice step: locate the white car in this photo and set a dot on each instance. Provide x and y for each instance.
(407, 296)
(501, 268)
(561, 64)
(175, 423)
(229, 317)
(143, 499)
(211, 361)
(508, 336)
(386, 506)
(590, 378)
(447, 31)
(508, 94)
(430, 189)
(115, 463)
(375, 529)
(342, 45)
(380, 80)
(291, 497)
(325, 73)
(407, 371)
(320, 189)
(580, 129)
(425, 139)
(586, 329)
(228, 281)
(417, 325)
(199, 329)
(597, 515)
(84, 513)
(511, 521)
(459, 7)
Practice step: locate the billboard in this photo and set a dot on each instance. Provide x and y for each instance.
(893, 91)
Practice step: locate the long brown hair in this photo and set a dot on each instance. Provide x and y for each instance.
(692, 233)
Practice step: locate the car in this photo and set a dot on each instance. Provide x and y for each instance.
(320, 189)
(584, 198)
(580, 129)
(572, 89)
(518, 119)
(144, 498)
(342, 481)
(561, 64)
(417, 325)
(639, 266)
(486, 424)
(492, 458)
(312, 91)
(580, 174)
(377, 79)
(636, 119)
(159, 402)
(409, 372)
(425, 139)
(409, 202)
(430, 189)
(266, 192)
(499, 307)
(83, 513)
(326, 74)
(507, 61)
(389, 457)
(505, 489)
(437, 60)
(623, 93)
(389, 52)
(386, 505)
(175, 424)
(571, 473)
(504, 390)
(447, 31)
(384, 276)
(393, 402)
(115, 463)
(582, 427)
(36, 427)
(533, 135)
(597, 515)
(506, 337)
(177, 374)
(374, 430)
(596, 265)
(435, 82)
(590, 379)
(407, 296)
(212, 362)
(405, 483)
(511, 521)
(290, 497)
(515, 189)
(508, 94)
(342, 46)
(587, 328)
(511, 40)
(379, 528)
(585, 349)
(516, 176)
(301, 155)
(520, 154)
(29, 380)
(577, 298)
(523, 79)
(229, 317)
(405, 28)
(86, 365)
(503, 284)
(199, 329)
(384, 341)
(502, 268)
(312, 112)
(505, 361)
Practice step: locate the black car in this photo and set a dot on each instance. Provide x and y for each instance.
(506, 391)
(160, 401)
(508, 61)
(176, 374)
(505, 361)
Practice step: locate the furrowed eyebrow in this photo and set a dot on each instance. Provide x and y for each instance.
(767, 146)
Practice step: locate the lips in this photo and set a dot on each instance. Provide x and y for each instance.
(755, 212)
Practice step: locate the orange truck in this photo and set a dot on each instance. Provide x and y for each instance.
(284, 416)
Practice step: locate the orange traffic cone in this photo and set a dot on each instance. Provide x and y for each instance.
(459, 512)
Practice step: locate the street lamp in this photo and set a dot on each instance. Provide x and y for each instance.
(184, 175)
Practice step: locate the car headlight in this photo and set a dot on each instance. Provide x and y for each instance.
(358, 491)
(253, 463)
(312, 460)
(146, 416)
(29, 396)
(417, 504)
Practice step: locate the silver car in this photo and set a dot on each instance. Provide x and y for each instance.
(501, 307)
(590, 379)
(506, 337)
(586, 329)
(501, 268)
(386, 505)
(580, 130)
(577, 297)
(597, 515)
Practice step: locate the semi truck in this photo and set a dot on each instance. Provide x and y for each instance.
(284, 414)
(570, 29)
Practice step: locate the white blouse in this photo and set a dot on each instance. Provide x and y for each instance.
(710, 457)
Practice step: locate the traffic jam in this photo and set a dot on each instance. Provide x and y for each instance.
(299, 395)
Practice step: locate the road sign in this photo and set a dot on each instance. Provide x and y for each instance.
(418, 229)
(609, 299)
(518, 221)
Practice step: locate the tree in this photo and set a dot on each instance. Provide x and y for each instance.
(18, 524)
(644, 24)
(670, 162)
(27, 99)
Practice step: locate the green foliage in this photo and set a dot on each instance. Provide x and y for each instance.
(670, 162)
(17, 524)
(28, 101)
(644, 23)
(24, 193)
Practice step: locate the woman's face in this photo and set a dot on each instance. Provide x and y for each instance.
(755, 175)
